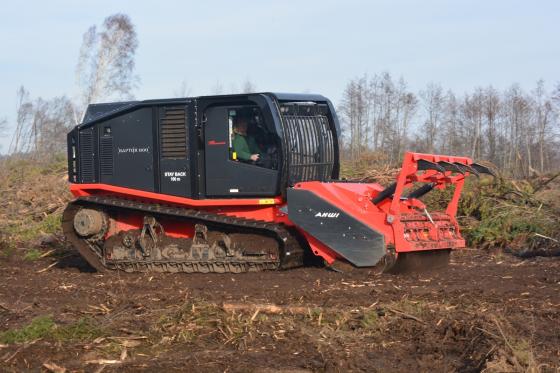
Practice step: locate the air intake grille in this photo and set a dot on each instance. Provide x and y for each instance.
(87, 170)
(173, 134)
(106, 156)
(310, 144)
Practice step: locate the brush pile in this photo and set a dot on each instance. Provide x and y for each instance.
(519, 216)
(370, 168)
(34, 195)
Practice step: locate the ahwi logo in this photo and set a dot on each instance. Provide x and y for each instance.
(333, 215)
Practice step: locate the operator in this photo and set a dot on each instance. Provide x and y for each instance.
(244, 145)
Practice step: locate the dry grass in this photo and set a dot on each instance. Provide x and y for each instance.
(511, 353)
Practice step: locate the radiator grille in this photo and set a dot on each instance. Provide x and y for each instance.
(173, 134)
(87, 170)
(106, 155)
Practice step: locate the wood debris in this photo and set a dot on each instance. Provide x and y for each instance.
(54, 368)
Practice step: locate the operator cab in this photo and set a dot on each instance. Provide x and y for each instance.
(255, 145)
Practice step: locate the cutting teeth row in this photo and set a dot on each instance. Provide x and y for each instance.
(443, 166)
(482, 169)
(431, 180)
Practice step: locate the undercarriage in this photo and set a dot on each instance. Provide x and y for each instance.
(210, 242)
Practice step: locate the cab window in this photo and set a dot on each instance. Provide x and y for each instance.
(249, 139)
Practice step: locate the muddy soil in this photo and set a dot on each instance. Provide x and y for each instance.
(484, 312)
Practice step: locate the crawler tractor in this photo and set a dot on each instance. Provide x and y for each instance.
(159, 186)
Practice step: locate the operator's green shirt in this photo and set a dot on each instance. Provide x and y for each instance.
(245, 146)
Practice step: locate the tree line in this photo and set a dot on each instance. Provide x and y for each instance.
(517, 130)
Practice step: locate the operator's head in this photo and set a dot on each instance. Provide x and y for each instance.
(240, 124)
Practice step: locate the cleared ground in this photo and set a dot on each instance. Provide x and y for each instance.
(484, 312)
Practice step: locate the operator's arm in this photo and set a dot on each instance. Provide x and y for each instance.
(252, 144)
(241, 147)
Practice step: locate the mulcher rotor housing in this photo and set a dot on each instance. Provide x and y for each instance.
(159, 187)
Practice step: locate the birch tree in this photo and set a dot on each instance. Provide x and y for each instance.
(105, 68)
(543, 114)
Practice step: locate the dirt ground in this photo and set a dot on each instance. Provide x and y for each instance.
(485, 312)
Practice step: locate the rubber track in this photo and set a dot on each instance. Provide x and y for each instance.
(291, 251)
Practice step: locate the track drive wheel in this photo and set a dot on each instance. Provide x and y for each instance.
(88, 223)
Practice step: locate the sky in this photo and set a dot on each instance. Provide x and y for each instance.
(285, 46)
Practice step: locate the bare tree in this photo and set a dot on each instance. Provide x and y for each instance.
(517, 114)
(491, 111)
(556, 94)
(433, 103)
(183, 90)
(41, 125)
(24, 111)
(473, 116)
(3, 129)
(248, 86)
(353, 110)
(105, 68)
(51, 121)
(405, 107)
(452, 130)
(232, 89)
(218, 88)
(543, 111)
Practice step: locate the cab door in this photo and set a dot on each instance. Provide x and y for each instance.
(225, 176)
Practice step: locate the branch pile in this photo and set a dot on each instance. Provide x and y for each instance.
(519, 216)
(33, 197)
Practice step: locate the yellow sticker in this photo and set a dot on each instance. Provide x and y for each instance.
(234, 156)
(266, 201)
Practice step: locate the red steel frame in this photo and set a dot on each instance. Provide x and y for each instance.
(408, 175)
(265, 209)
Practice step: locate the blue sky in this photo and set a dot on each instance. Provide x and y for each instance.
(297, 46)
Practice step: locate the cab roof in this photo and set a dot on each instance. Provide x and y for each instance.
(96, 112)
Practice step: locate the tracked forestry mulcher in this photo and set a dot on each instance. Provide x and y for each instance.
(161, 185)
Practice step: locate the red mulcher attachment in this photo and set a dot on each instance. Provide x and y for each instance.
(366, 223)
